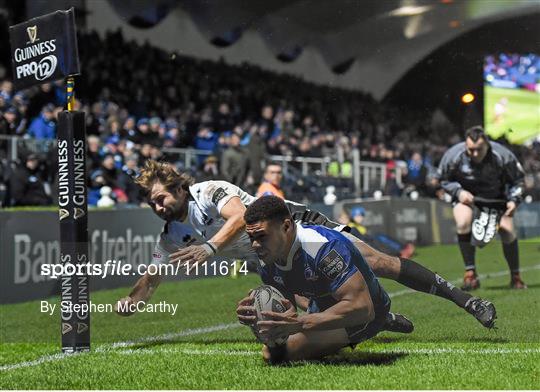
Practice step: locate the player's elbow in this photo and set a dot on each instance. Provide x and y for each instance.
(364, 311)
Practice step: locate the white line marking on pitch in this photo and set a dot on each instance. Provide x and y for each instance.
(199, 331)
(39, 361)
(107, 348)
(426, 351)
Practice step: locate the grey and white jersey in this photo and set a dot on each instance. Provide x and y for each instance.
(499, 175)
(204, 221)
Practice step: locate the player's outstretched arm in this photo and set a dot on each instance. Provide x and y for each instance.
(141, 292)
(233, 213)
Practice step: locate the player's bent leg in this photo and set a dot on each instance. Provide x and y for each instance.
(511, 251)
(307, 345)
(463, 216)
(409, 273)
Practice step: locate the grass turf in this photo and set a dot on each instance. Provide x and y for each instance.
(447, 350)
(522, 118)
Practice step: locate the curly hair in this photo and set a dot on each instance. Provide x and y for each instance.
(164, 173)
(267, 208)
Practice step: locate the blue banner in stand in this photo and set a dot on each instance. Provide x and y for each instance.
(44, 49)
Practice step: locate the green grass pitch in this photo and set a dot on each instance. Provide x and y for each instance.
(204, 348)
(522, 119)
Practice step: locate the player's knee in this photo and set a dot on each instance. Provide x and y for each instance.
(507, 235)
(463, 226)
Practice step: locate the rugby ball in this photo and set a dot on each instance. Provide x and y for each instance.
(268, 299)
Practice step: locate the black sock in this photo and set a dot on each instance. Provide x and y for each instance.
(511, 253)
(419, 278)
(467, 250)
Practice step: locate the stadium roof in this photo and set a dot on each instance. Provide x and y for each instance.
(359, 44)
(345, 29)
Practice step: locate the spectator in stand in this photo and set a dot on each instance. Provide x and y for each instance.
(129, 130)
(416, 174)
(6, 91)
(144, 134)
(113, 178)
(234, 161)
(281, 114)
(267, 119)
(210, 170)
(27, 185)
(93, 154)
(9, 123)
(272, 181)
(43, 126)
(131, 171)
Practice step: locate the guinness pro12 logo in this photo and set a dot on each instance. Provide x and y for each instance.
(41, 69)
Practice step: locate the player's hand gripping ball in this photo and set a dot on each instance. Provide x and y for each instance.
(267, 299)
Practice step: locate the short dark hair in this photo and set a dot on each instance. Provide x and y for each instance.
(267, 208)
(272, 163)
(475, 133)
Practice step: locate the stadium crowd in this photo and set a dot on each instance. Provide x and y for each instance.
(142, 100)
(513, 70)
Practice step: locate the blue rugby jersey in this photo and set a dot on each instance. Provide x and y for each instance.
(319, 262)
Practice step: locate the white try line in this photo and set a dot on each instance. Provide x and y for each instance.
(422, 351)
(197, 331)
(113, 346)
(187, 351)
(435, 351)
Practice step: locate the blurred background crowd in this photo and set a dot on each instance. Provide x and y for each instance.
(147, 103)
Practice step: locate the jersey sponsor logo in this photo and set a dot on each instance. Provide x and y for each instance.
(218, 195)
(278, 280)
(332, 265)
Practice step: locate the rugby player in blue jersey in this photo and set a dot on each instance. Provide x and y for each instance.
(347, 305)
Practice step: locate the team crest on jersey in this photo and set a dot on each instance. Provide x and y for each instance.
(218, 195)
(332, 265)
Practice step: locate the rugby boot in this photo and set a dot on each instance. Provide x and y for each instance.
(517, 283)
(484, 311)
(396, 322)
